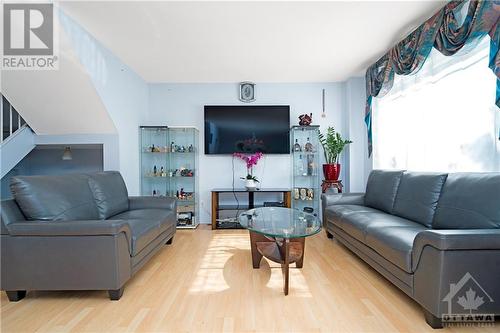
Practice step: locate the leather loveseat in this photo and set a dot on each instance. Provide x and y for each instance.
(79, 232)
(436, 236)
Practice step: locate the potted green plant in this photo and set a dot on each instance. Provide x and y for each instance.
(333, 145)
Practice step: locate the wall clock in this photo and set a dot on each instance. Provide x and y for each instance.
(247, 92)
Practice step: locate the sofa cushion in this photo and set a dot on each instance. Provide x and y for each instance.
(418, 195)
(169, 221)
(338, 211)
(394, 243)
(110, 193)
(381, 189)
(159, 215)
(357, 223)
(163, 217)
(54, 198)
(155, 222)
(469, 201)
(143, 232)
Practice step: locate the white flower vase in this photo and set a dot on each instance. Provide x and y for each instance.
(250, 184)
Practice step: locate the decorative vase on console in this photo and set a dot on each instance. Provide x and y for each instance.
(333, 145)
(251, 161)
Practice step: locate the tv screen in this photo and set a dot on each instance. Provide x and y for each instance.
(247, 129)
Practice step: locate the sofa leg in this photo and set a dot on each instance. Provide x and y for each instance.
(115, 294)
(328, 234)
(170, 240)
(432, 320)
(15, 295)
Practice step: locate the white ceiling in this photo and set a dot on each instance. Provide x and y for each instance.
(258, 41)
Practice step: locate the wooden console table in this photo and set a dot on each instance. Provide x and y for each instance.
(216, 207)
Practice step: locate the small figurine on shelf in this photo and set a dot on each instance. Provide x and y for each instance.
(299, 167)
(310, 194)
(154, 193)
(154, 171)
(305, 119)
(162, 172)
(309, 210)
(153, 148)
(303, 194)
(182, 195)
(296, 146)
(308, 146)
(191, 148)
(172, 147)
(310, 164)
(186, 172)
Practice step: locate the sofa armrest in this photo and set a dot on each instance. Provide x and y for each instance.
(342, 199)
(70, 228)
(456, 239)
(9, 213)
(145, 202)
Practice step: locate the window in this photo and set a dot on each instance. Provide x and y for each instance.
(443, 118)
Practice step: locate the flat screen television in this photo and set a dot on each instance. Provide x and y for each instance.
(247, 129)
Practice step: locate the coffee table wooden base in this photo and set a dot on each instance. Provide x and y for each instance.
(283, 251)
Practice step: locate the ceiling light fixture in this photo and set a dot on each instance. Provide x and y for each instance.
(67, 156)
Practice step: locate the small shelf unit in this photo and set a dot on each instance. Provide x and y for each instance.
(305, 147)
(169, 167)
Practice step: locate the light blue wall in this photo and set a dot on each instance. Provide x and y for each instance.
(358, 164)
(49, 162)
(131, 102)
(123, 92)
(182, 105)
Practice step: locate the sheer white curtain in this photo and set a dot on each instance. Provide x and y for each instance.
(442, 118)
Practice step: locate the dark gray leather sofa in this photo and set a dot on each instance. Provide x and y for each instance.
(435, 236)
(79, 232)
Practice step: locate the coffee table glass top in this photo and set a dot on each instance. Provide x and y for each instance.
(280, 222)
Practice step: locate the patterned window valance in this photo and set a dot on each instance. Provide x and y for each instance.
(444, 32)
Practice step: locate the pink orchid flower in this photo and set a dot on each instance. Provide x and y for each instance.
(250, 160)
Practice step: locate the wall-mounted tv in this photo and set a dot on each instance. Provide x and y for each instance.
(247, 129)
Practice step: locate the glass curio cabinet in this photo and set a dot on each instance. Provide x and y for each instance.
(306, 191)
(169, 167)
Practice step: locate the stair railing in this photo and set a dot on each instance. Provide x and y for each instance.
(10, 120)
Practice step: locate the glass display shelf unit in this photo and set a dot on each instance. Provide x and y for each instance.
(169, 167)
(305, 147)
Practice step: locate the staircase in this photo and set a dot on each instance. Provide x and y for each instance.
(16, 140)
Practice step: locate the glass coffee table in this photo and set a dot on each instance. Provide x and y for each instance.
(279, 235)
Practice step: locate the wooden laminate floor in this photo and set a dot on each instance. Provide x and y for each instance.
(205, 282)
